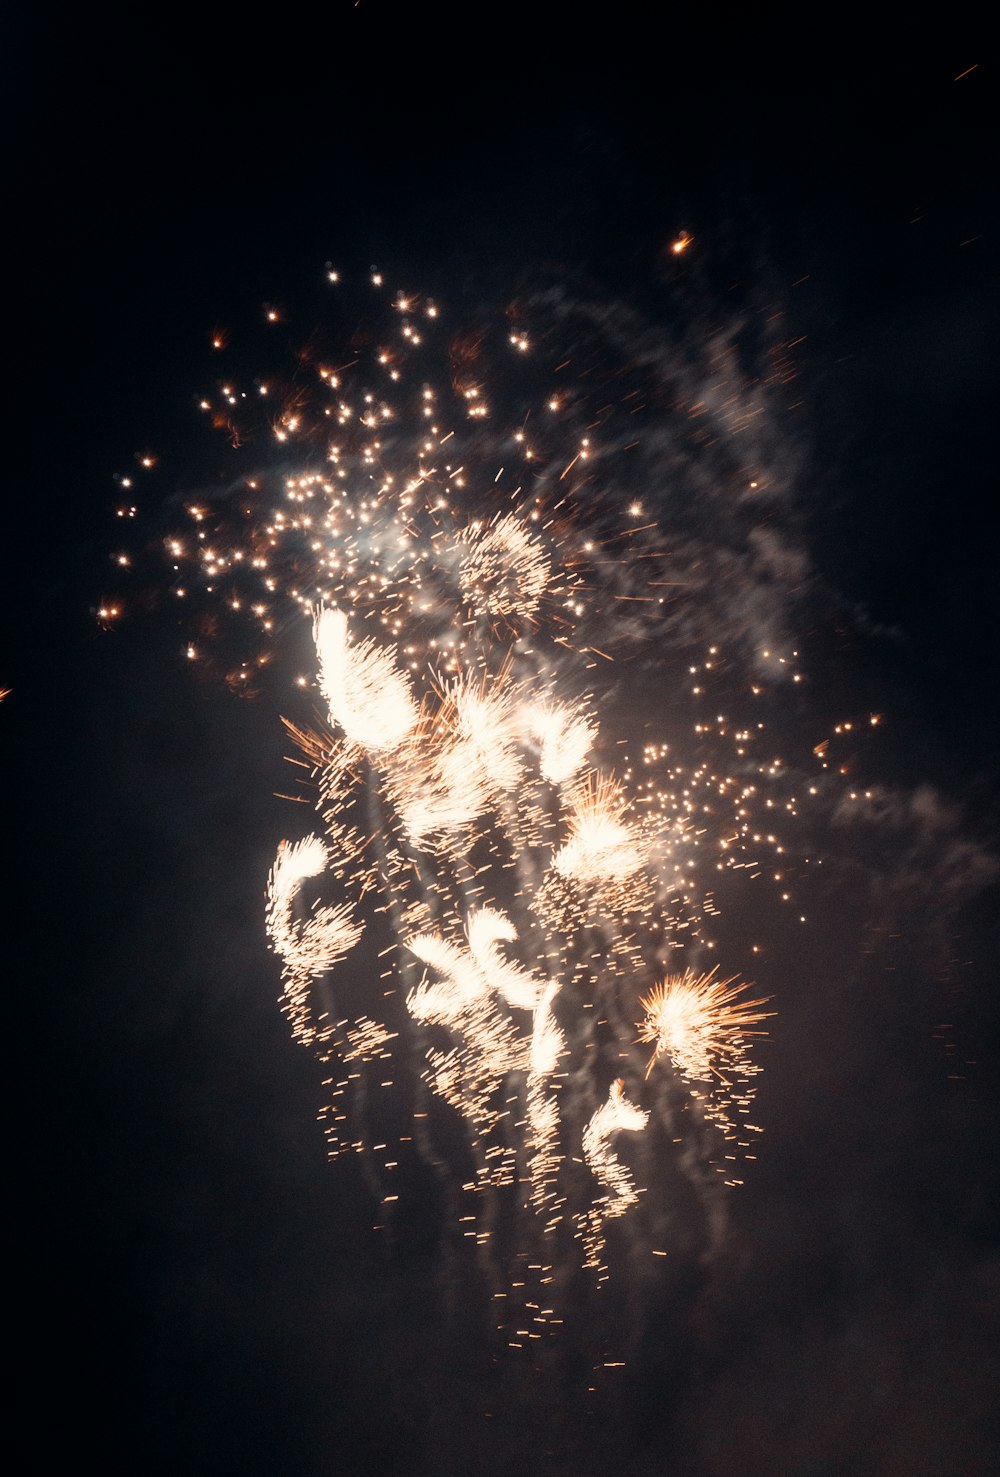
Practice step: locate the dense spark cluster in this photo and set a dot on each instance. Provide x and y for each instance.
(704, 1027)
(700, 1022)
(509, 859)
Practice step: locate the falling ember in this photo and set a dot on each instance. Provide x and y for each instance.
(504, 863)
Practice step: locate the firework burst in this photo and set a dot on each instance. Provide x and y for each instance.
(701, 1024)
(520, 868)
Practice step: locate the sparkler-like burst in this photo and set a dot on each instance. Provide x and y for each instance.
(510, 857)
(705, 1029)
(699, 1022)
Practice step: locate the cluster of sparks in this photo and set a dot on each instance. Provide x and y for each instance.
(477, 777)
(485, 926)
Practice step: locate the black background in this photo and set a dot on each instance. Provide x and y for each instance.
(206, 1295)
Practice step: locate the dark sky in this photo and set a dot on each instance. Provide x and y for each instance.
(209, 1297)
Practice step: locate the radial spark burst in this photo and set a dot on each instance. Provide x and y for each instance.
(701, 1024)
(706, 1028)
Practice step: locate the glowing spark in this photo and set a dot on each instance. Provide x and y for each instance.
(566, 736)
(616, 1115)
(437, 788)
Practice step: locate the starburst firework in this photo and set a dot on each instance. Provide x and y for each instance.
(701, 1024)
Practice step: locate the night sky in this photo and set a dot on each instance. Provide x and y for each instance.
(208, 1295)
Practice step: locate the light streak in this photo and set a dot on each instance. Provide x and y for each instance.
(367, 696)
(618, 1193)
(308, 947)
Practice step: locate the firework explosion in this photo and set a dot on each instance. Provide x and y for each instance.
(508, 865)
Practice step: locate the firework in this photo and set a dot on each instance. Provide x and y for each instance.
(367, 696)
(616, 1115)
(521, 871)
(311, 946)
(701, 1024)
